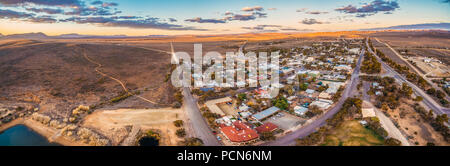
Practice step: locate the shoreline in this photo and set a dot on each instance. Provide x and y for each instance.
(11, 124)
(42, 130)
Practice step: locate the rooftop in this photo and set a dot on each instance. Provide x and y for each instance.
(266, 113)
(239, 132)
(266, 127)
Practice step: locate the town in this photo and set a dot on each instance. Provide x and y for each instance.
(312, 79)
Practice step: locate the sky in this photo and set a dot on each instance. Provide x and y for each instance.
(182, 17)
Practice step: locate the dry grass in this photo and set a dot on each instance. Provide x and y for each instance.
(352, 133)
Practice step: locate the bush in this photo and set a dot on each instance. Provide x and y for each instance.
(392, 142)
(267, 136)
(192, 142)
(181, 132)
(178, 123)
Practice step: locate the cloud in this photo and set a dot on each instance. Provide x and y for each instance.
(61, 3)
(45, 10)
(104, 4)
(250, 9)
(241, 17)
(262, 27)
(230, 16)
(229, 13)
(201, 20)
(22, 16)
(153, 23)
(370, 9)
(272, 9)
(273, 28)
(76, 7)
(301, 10)
(295, 29)
(9, 14)
(173, 20)
(316, 12)
(312, 21)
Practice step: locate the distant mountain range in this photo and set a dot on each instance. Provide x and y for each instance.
(69, 36)
(431, 26)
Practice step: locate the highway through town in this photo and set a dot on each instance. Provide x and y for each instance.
(424, 76)
(289, 139)
(427, 100)
(196, 120)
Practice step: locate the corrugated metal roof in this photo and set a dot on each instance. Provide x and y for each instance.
(266, 113)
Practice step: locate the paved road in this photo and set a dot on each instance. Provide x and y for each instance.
(428, 101)
(289, 139)
(196, 120)
(385, 121)
(424, 76)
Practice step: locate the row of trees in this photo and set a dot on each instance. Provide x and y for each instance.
(438, 122)
(413, 77)
(370, 64)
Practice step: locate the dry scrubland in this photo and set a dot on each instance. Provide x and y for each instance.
(422, 43)
(57, 77)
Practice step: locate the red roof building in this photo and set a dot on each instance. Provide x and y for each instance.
(239, 132)
(266, 127)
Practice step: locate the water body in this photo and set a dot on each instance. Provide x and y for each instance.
(20, 135)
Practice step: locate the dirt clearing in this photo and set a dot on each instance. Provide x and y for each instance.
(117, 124)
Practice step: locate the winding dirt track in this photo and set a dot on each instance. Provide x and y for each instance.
(97, 69)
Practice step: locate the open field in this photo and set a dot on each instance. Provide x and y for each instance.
(116, 124)
(352, 133)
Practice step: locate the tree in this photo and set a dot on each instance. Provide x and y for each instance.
(281, 102)
(242, 97)
(392, 142)
(178, 123)
(431, 91)
(181, 132)
(406, 90)
(418, 99)
(441, 119)
(267, 136)
(304, 87)
(192, 142)
(430, 114)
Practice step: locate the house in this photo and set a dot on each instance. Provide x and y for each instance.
(354, 51)
(245, 114)
(343, 67)
(322, 104)
(378, 93)
(266, 113)
(333, 87)
(325, 95)
(266, 127)
(300, 110)
(212, 105)
(310, 91)
(244, 107)
(239, 132)
(375, 84)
